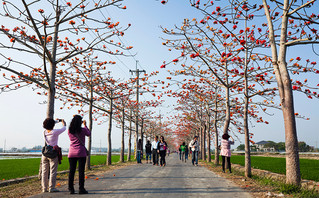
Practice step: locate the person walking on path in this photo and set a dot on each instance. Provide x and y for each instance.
(183, 149)
(148, 150)
(51, 137)
(225, 150)
(180, 152)
(162, 146)
(139, 151)
(77, 152)
(186, 153)
(194, 145)
(154, 150)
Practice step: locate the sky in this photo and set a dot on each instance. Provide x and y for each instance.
(22, 114)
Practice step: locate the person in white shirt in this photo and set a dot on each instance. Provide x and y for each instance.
(154, 150)
(194, 145)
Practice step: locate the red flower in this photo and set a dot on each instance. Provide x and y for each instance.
(163, 2)
(163, 66)
(218, 9)
(69, 4)
(235, 26)
(298, 58)
(294, 87)
(72, 22)
(41, 10)
(242, 42)
(175, 60)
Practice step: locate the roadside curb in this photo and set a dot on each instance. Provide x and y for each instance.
(19, 180)
(307, 184)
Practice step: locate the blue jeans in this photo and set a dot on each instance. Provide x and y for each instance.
(138, 157)
(148, 156)
(195, 157)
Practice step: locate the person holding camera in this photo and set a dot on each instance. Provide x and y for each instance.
(51, 136)
(225, 150)
(77, 152)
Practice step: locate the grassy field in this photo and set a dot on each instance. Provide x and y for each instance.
(308, 167)
(17, 168)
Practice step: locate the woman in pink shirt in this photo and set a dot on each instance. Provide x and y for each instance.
(225, 150)
(48, 164)
(77, 152)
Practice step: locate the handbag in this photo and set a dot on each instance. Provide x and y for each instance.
(48, 150)
(76, 135)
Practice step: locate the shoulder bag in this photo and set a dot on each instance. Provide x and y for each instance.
(48, 150)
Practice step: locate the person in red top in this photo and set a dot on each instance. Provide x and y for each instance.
(77, 152)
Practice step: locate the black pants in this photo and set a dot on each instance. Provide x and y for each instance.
(228, 163)
(73, 162)
(155, 156)
(162, 154)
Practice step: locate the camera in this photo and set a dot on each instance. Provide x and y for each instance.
(58, 120)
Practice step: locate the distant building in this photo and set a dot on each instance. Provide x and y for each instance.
(260, 146)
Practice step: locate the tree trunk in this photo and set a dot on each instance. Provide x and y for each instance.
(142, 138)
(246, 127)
(200, 142)
(204, 142)
(51, 92)
(109, 143)
(216, 132)
(209, 157)
(88, 158)
(129, 138)
(286, 96)
(122, 137)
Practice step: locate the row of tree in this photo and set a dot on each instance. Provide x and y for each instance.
(59, 49)
(233, 59)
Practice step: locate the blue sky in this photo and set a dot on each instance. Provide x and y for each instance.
(21, 115)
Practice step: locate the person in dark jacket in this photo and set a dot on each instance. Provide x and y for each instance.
(139, 151)
(148, 150)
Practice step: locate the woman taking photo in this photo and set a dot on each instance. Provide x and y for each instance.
(225, 150)
(51, 137)
(77, 152)
(162, 146)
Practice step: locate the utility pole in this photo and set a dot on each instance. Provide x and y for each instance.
(137, 73)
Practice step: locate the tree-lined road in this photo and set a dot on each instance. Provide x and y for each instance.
(177, 179)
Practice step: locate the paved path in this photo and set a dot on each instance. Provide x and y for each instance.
(176, 179)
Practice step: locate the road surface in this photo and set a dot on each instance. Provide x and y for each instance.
(176, 179)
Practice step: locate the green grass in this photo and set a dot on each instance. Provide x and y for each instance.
(308, 167)
(17, 168)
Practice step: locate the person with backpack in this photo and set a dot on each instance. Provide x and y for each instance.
(148, 150)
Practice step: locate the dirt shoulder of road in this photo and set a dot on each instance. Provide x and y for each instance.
(249, 185)
(33, 186)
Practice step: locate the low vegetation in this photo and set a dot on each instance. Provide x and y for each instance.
(17, 168)
(308, 167)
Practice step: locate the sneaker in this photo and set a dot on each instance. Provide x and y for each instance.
(196, 165)
(44, 190)
(53, 190)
